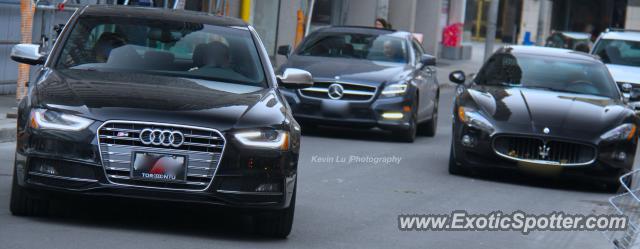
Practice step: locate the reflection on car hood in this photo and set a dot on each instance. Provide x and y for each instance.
(622, 73)
(531, 110)
(363, 71)
(142, 97)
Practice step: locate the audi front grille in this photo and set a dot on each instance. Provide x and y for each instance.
(203, 148)
(351, 91)
(549, 151)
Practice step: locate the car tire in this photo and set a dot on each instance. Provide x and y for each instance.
(23, 203)
(454, 168)
(429, 129)
(277, 224)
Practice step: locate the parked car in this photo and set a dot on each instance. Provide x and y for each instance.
(158, 104)
(620, 50)
(543, 107)
(365, 77)
(570, 40)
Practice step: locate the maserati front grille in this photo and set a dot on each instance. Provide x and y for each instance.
(350, 91)
(549, 151)
(202, 148)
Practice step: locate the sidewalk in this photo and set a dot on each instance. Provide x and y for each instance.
(8, 104)
(445, 67)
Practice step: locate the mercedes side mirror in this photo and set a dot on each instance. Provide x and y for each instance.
(626, 88)
(27, 54)
(457, 77)
(284, 50)
(295, 79)
(427, 60)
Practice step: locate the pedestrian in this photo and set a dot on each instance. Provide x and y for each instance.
(381, 23)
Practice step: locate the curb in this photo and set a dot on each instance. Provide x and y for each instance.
(8, 132)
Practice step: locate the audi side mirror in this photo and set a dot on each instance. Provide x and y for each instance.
(27, 54)
(457, 77)
(284, 50)
(427, 60)
(293, 78)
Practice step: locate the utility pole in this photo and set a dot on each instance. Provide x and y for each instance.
(541, 22)
(492, 21)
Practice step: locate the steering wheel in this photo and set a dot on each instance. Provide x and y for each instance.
(582, 86)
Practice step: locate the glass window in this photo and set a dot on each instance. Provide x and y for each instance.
(619, 52)
(549, 73)
(161, 47)
(386, 48)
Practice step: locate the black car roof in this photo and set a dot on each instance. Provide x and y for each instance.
(362, 30)
(548, 51)
(162, 14)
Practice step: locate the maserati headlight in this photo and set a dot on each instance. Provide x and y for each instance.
(394, 90)
(474, 119)
(268, 139)
(622, 132)
(52, 120)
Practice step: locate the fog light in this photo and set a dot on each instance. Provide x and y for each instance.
(620, 156)
(46, 169)
(468, 141)
(392, 115)
(269, 187)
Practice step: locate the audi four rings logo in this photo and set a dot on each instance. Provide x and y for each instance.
(161, 137)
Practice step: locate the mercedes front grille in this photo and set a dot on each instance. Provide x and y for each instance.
(351, 91)
(120, 139)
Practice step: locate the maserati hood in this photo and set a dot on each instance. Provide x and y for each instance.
(141, 97)
(564, 114)
(362, 71)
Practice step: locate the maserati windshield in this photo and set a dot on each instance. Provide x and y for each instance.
(160, 47)
(385, 48)
(548, 73)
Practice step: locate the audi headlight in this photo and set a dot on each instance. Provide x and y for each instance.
(474, 119)
(394, 90)
(620, 133)
(269, 139)
(52, 120)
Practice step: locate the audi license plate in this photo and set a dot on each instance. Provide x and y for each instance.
(159, 167)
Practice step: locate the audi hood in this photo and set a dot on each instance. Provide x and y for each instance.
(362, 71)
(529, 111)
(106, 96)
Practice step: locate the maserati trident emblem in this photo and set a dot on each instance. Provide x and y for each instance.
(544, 151)
(546, 130)
(335, 91)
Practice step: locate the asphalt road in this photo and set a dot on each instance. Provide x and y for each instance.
(340, 204)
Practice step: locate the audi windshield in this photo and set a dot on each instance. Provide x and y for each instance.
(161, 47)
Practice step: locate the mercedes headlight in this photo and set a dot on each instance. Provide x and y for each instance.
(474, 119)
(394, 90)
(268, 139)
(622, 132)
(52, 120)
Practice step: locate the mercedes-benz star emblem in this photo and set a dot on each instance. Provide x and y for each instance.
(161, 137)
(335, 91)
(546, 130)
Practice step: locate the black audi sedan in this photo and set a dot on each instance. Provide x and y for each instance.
(365, 78)
(543, 108)
(162, 105)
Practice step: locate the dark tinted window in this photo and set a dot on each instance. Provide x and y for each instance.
(619, 52)
(180, 49)
(549, 73)
(358, 46)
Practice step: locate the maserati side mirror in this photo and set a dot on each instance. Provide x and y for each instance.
(295, 78)
(457, 77)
